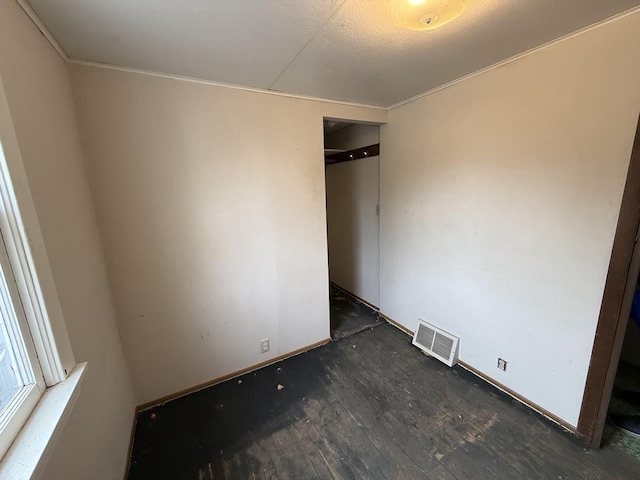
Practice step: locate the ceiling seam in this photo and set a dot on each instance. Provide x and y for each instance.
(329, 17)
(35, 19)
(39, 24)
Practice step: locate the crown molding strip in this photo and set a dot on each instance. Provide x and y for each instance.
(569, 36)
(220, 84)
(33, 16)
(52, 40)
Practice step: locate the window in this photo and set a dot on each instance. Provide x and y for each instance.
(21, 380)
(28, 357)
(39, 378)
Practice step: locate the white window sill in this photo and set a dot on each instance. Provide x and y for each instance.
(31, 449)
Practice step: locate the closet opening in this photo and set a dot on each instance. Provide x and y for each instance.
(352, 177)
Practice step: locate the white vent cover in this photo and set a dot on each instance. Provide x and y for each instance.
(436, 342)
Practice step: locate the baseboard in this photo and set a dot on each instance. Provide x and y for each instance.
(237, 373)
(516, 396)
(525, 401)
(399, 326)
(359, 299)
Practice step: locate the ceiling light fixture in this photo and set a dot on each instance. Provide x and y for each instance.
(425, 14)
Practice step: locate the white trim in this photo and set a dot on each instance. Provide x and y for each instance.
(17, 414)
(33, 16)
(220, 84)
(14, 328)
(30, 452)
(20, 254)
(49, 36)
(17, 247)
(29, 245)
(531, 51)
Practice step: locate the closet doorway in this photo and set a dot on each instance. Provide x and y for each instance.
(352, 176)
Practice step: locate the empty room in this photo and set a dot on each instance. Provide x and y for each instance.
(334, 239)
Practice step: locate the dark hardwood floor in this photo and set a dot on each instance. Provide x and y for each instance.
(368, 406)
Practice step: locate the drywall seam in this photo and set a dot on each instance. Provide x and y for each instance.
(334, 10)
(556, 41)
(33, 16)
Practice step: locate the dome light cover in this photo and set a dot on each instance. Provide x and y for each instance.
(425, 14)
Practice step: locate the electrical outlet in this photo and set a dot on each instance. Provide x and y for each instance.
(502, 364)
(264, 345)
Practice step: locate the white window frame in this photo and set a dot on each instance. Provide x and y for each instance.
(22, 352)
(22, 265)
(24, 317)
(35, 323)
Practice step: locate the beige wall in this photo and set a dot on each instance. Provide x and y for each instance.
(95, 440)
(352, 221)
(211, 205)
(499, 200)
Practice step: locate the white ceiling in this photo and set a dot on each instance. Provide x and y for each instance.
(337, 49)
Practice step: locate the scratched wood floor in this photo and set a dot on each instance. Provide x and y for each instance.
(368, 406)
